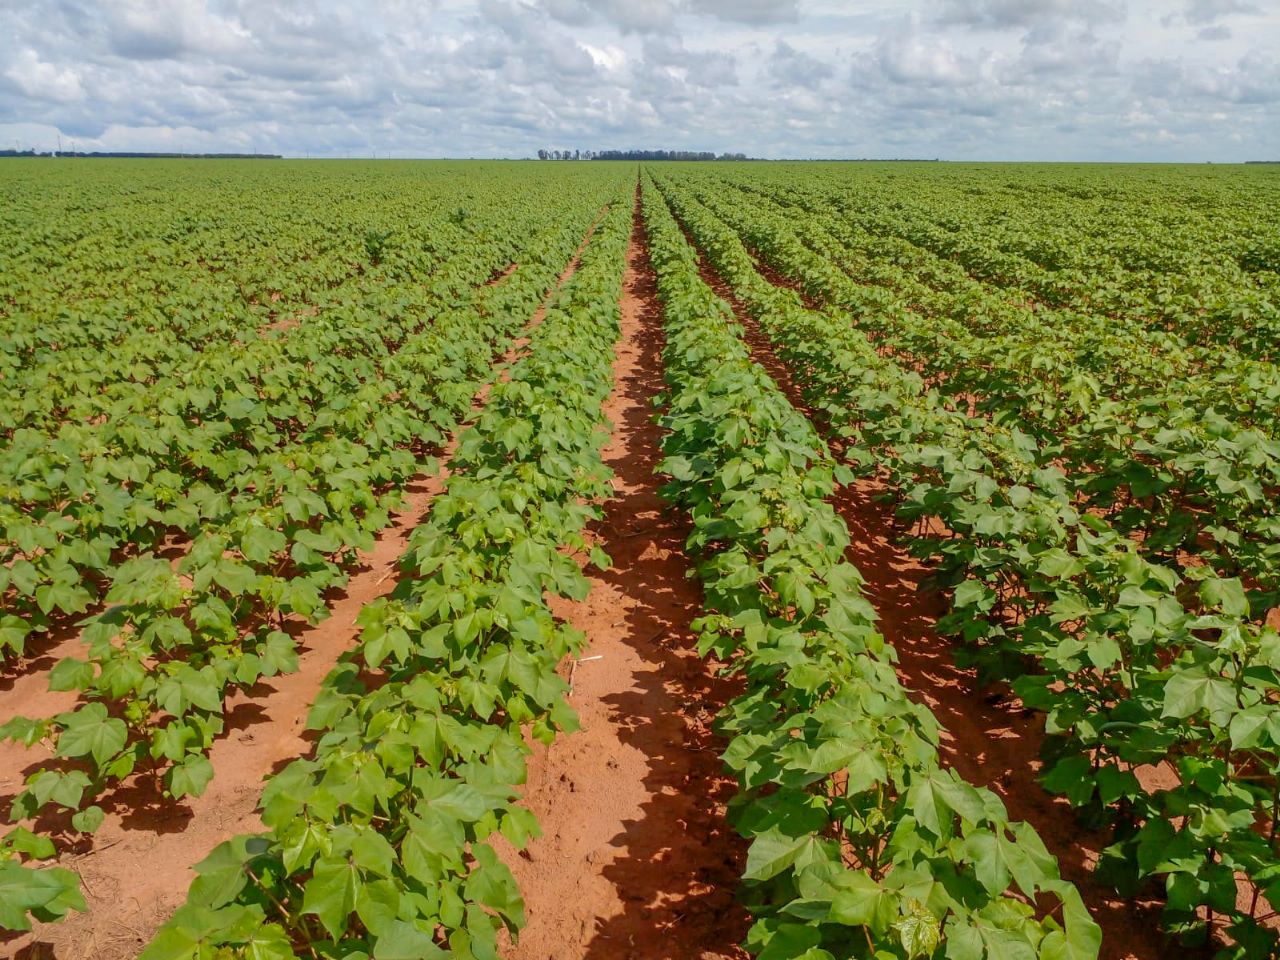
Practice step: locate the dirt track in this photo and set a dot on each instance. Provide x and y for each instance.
(636, 861)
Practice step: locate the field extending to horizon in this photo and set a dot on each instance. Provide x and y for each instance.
(555, 560)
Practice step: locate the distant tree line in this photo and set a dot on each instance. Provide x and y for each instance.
(142, 155)
(637, 155)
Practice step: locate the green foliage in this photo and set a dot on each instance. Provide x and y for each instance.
(861, 843)
(214, 442)
(1075, 495)
(378, 843)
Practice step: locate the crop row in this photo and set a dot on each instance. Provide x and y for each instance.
(935, 284)
(348, 400)
(860, 840)
(1202, 267)
(1122, 352)
(1132, 666)
(175, 640)
(151, 275)
(107, 298)
(377, 844)
(1168, 457)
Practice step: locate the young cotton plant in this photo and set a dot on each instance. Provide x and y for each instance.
(862, 844)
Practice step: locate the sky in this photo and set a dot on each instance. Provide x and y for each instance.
(1161, 80)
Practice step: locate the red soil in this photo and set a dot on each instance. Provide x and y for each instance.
(136, 869)
(990, 740)
(636, 861)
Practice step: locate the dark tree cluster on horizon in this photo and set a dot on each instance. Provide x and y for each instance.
(637, 155)
(139, 155)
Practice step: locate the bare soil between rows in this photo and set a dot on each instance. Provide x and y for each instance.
(636, 861)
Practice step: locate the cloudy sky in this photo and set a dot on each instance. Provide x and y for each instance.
(962, 79)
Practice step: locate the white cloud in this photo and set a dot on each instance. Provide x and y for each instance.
(747, 11)
(913, 58)
(1013, 14)
(1208, 12)
(1020, 79)
(43, 81)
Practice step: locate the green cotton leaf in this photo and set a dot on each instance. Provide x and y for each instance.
(34, 845)
(974, 937)
(933, 800)
(974, 593)
(259, 544)
(861, 902)
(71, 674)
(518, 826)
(433, 846)
(963, 940)
(189, 687)
(190, 777)
(278, 654)
(490, 883)
(13, 633)
(23, 574)
(1157, 839)
(982, 848)
(918, 931)
(268, 942)
(88, 820)
(832, 755)
(330, 895)
(171, 740)
(772, 852)
(791, 941)
(1058, 564)
(90, 732)
(865, 771)
(372, 853)
(378, 904)
(221, 875)
(64, 789)
(1069, 607)
(1114, 783)
(238, 407)
(24, 730)
(461, 801)
(146, 580)
(302, 843)
(1080, 938)
(1071, 777)
(47, 892)
(325, 541)
(1189, 692)
(1226, 595)
(1103, 650)
(67, 597)
(402, 940)
(997, 859)
(192, 930)
(1248, 725)
(236, 578)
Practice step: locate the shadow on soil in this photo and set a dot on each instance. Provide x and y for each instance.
(683, 860)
